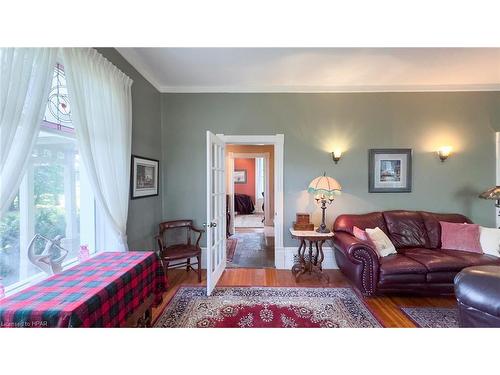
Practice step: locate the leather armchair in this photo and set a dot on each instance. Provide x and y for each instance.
(478, 295)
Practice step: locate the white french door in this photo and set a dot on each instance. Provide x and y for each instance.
(216, 210)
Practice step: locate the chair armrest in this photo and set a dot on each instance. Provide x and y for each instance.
(159, 241)
(361, 254)
(200, 233)
(197, 230)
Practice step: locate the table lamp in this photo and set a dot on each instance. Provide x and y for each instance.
(324, 188)
(494, 194)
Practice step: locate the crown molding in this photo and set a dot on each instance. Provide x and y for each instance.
(133, 59)
(329, 89)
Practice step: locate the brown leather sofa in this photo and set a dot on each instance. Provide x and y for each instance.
(420, 266)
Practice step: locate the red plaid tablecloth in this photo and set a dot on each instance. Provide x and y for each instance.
(100, 292)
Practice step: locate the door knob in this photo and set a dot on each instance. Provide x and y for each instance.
(213, 225)
(210, 225)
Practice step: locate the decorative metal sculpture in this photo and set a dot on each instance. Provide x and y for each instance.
(51, 258)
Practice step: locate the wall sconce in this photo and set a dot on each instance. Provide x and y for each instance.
(336, 155)
(444, 152)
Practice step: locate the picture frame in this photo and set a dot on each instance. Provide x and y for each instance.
(390, 170)
(240, 176)
(144, 177)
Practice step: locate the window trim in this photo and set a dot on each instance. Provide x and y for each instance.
(53, 127)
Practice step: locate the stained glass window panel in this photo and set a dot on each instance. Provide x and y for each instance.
(58, 111)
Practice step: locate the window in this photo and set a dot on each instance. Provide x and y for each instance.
(54, 199)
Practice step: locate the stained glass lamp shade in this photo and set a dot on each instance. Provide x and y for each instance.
(324, 188)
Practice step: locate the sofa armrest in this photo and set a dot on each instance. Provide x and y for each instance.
(363, 256)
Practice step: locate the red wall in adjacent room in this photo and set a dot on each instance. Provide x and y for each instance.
(249, 187)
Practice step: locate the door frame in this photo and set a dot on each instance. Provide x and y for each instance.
(278, 140)
(229, 178)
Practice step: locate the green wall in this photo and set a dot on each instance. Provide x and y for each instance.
(313, 124)
(144, 214)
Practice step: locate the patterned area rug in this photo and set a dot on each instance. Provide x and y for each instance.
(432, 317)
(265, 308)
(230, 248)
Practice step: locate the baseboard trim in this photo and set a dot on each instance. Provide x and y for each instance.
(284, 258)
(329, 262)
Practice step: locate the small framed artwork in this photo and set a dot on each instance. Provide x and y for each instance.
(240, 176)
(144, 177)
(389, 170)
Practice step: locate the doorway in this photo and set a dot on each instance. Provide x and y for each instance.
(250, 205)
(220, 205)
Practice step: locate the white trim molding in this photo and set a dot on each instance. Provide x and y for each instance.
(304, 89)
(284, 258)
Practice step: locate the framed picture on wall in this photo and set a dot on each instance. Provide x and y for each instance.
(240, 176)
(389, 170)
(144, 177)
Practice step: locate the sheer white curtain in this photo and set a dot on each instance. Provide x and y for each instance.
(25, 78)
(101, 105)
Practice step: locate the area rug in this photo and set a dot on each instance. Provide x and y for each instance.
(230, 248)
(252, 251)
(432, 317)
(260, 307)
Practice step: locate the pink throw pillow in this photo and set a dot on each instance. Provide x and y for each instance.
(360, 234)
(464, 237)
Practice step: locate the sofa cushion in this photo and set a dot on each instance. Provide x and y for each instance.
(437, 260)
(345, 223)
(473, 259)
(433, 228)
(400, 264)
(406, 229)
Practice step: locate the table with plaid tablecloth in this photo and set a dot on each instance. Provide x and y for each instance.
(103, 291)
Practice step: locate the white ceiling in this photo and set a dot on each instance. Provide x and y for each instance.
(317, 69)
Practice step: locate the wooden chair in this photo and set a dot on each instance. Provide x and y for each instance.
(179, 251)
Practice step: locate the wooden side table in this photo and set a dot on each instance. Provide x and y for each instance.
(313, 263)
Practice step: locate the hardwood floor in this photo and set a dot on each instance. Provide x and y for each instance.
(385, 308)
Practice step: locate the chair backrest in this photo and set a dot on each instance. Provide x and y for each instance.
(176, 225)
